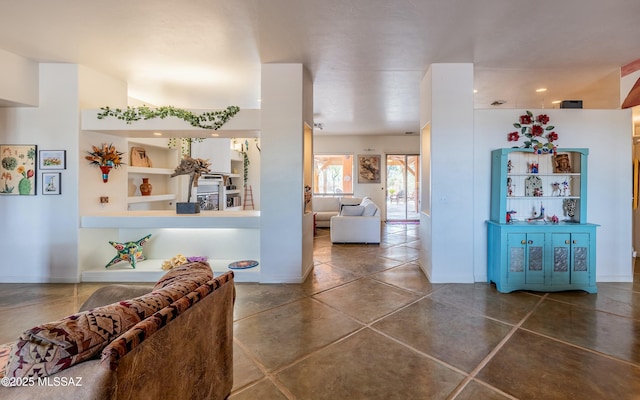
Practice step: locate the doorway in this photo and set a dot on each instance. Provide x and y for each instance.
(403, 187)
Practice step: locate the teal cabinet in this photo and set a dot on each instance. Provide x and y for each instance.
(538, 237)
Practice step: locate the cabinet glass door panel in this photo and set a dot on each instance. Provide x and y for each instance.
(560, 259)
(517, 244)
(516, 259)
(561, 245)
(580, 258)
(535, 258)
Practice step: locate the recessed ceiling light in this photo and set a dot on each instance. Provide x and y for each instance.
(540, 90)
(475, 90)
(556, 102)
(157, 133)
(215, 134)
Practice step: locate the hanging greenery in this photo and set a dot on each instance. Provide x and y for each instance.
(245, 159)
(207, 120)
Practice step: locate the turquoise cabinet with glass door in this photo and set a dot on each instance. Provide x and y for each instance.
(538, 237)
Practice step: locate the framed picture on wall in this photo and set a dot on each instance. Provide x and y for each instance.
(51, 183)
(561, 163)
(18, 169)
(52, 159)
(368, 168)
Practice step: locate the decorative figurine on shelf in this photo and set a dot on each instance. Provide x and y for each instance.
(194, 167)
(537, 192)
(533, 167)
(554, 219)
(569, 206)
(509, 166)
(565, 189)
(556, 189)
(509, 187)
(539, 217)
(509, 218)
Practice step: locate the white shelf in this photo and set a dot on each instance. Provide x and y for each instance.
(150, 170)
(543, 197)
(151, 271)
(248, 219)
(233, 191)
(554, 174)
(151, 198)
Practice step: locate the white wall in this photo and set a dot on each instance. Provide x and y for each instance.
(40, 243)
(19, 80)
(359, 144)
(40, 233)
(607, 135)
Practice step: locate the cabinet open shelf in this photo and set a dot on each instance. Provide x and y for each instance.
(150, 170)
(150, 270)
(151, 198)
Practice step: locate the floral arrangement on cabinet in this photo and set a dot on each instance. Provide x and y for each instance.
(535, 131)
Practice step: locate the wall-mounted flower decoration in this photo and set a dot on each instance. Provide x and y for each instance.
(536, 132)
(105, 157)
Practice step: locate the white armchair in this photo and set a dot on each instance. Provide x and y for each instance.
(357, 224)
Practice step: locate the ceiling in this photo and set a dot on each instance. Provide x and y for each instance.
(366, 57)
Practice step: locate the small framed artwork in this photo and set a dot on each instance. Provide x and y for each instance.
(561, 163)
(51, 183)
(18, 169)
(368, 168)
(53, 159)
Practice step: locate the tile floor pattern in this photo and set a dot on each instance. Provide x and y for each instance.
(367, 324)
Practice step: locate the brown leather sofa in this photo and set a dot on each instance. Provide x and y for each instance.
(183, 351)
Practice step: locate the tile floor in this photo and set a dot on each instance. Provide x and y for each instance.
(368, 325)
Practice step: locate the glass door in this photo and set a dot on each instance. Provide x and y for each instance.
(402, 187)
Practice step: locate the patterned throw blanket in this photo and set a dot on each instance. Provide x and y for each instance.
(48, 348)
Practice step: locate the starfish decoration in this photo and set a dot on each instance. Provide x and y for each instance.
(130, 252)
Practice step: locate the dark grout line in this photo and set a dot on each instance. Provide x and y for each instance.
(495, 350)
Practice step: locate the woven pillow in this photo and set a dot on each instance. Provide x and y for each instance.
(54, 346)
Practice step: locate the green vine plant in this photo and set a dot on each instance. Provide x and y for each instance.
(184, 144)
(207, 120)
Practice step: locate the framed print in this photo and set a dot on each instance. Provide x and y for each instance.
(368, 168)
(561, 163)
(17, 169)
(51, 183)
(52, 159)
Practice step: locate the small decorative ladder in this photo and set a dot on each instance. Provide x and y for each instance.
(248, 198)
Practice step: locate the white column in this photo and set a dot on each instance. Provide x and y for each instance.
(447, 179)
(286, 106)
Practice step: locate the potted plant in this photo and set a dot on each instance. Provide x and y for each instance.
(194, 167)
